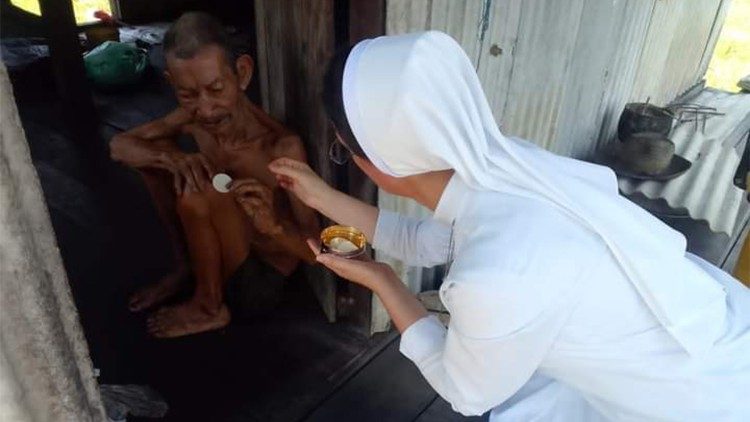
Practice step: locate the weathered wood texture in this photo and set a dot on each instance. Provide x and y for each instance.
(295, 41)
(366, 19)
(388, 388)
(45, 370)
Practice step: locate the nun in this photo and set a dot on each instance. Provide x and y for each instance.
(567, 301)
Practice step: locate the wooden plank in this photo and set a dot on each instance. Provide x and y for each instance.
(389, 388)
(295, 41)
(366, 20)
(70, 76)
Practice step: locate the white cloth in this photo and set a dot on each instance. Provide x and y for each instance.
(415, 105)
(546, 326)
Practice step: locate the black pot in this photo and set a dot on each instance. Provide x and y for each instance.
(646, 152)
(643, 117)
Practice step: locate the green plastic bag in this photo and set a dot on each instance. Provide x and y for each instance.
(115, 65)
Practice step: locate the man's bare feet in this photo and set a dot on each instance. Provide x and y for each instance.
(186, 318)
(156, 293)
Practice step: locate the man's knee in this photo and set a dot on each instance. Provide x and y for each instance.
(194, 204)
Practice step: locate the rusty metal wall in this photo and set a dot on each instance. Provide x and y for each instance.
(559, 72)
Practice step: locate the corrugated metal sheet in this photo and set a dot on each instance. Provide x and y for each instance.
(707, 191)
(558, 73)
(671, 60)
(464, 20)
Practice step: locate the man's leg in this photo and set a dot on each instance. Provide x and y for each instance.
(217, 239)
(160, 185)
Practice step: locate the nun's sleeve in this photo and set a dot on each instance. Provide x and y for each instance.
(490, 350)
(418, 242)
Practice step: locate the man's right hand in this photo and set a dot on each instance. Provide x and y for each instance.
(192, 172)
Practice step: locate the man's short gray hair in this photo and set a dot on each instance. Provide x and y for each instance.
(194, 31)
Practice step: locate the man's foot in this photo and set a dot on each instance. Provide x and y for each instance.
(186, 318)
(158, 292)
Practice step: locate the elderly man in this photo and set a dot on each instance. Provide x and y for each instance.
(243, 242)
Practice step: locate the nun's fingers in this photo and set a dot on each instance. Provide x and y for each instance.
(314, 246)
(365, 273)
(288, 167)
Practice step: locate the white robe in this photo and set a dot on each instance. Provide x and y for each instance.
(545, 325)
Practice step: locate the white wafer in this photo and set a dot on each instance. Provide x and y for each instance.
(221, 182)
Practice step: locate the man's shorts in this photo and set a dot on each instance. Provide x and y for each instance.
(255, 288)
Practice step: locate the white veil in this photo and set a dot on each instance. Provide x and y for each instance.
(415, 105)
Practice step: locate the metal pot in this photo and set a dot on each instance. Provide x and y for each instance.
(644, 117)
(648, 153)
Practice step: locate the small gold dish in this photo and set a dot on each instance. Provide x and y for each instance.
(343, 241)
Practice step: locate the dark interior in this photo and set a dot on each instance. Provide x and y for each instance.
(273, 367)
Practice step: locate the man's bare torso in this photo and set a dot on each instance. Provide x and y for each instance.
(248, 157)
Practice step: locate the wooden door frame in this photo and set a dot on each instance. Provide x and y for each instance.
(356, 20)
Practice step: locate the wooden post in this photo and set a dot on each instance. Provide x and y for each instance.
(296, 39)
(366, 19)
(70, 76)
(295, 42)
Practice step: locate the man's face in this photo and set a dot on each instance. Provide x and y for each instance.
(207, 87)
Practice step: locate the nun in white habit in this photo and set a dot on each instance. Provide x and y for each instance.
(567, 301)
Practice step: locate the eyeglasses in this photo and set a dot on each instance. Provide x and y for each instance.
(338, 152)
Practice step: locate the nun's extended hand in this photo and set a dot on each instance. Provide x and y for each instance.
(362, 271)
(298, 178)
(403, 307)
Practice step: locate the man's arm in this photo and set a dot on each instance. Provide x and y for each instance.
(149, 145)
(152, 145)
(305, 220)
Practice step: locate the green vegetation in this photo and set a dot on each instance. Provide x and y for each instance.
(731, 59)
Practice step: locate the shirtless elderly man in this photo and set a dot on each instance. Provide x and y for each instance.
(256, 232)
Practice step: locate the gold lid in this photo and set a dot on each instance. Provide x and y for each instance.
(351, 234)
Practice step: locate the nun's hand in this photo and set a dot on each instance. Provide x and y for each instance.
(298, 178)
(363, 271)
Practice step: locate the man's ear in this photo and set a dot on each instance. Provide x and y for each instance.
(245, 67)
(168, 77)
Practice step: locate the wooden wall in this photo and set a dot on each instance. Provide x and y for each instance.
(295, 41)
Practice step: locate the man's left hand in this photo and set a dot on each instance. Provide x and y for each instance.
(256, 199)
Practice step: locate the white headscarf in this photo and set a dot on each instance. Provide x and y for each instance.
(415, 105)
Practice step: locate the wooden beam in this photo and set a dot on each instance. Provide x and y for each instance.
(295, 41)
(69, 73)
(366, 19)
